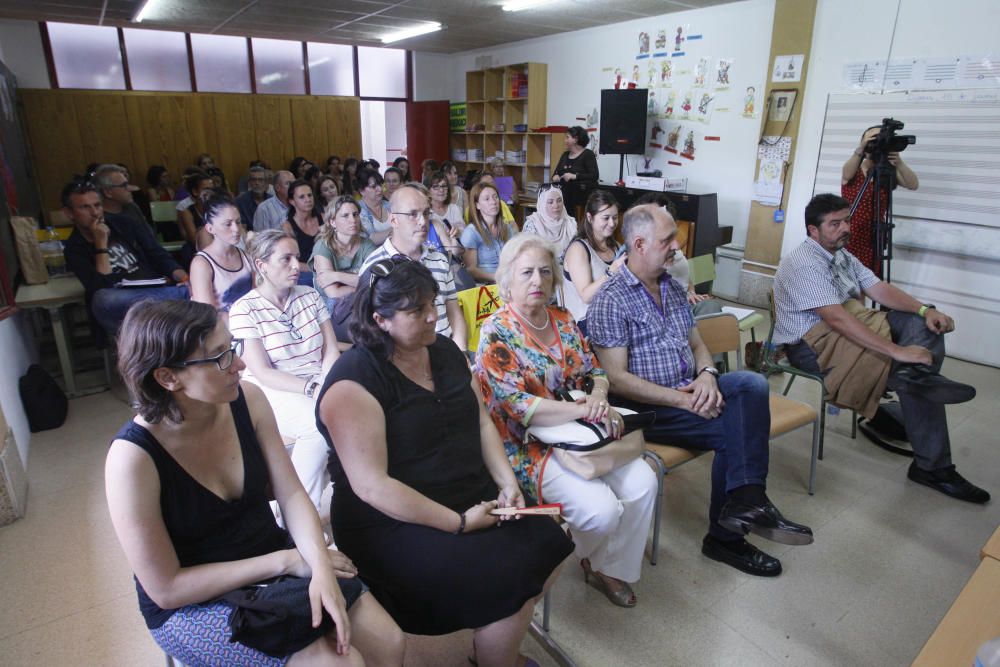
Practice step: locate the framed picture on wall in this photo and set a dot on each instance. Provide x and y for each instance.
(779, 107)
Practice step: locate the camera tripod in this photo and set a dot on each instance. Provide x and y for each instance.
(881, 178)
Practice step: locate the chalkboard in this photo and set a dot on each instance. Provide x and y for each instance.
(956, 209)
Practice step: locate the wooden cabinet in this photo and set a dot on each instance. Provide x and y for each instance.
(497, 100)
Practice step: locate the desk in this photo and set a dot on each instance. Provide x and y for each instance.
(51, 297)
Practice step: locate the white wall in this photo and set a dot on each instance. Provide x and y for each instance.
(741, 31)
(966, 287)
(21, 44)
(17, 352)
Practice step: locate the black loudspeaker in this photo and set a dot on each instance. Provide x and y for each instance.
(623, 121)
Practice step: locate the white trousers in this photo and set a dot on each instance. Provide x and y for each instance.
(609, 516)
(296, 418)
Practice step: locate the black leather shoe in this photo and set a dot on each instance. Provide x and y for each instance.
(764, 520)
(932, 386)
(949, 482)
(742, 555)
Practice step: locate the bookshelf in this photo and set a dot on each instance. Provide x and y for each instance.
(497, 100)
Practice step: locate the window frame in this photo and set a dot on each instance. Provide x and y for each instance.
(407, 64)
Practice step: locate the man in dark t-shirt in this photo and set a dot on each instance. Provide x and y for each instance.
(107, 251)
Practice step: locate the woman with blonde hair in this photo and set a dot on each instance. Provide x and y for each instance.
(486, 233)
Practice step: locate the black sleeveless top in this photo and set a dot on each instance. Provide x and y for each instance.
(432, 438)
(305, 241)
(203, 527)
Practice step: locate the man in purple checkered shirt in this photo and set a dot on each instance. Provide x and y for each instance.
(641, 328)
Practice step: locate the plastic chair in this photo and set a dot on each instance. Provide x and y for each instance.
(720, 332)
(771, 364)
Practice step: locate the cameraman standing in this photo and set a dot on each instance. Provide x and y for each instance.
(853, 177)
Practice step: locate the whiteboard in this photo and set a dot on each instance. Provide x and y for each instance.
(956, 209)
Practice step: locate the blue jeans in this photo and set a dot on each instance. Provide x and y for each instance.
(739, 437)
(110, 305)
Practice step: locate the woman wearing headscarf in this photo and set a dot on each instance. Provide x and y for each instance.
(551, 221)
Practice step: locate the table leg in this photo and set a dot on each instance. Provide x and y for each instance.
(62, 347)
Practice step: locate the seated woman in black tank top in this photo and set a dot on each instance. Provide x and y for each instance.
(188, 482)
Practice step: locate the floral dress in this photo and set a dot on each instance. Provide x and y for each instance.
(516, 370)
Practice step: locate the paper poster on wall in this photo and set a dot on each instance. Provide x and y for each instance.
(684, 113)
(768, 187)
(652, 75)
(652, 104)
(660, 45)
(688, 150)
(940, 73)
(701, 71)
(900, 73)
(866, 75)
(750, 103)
(654, 136)
(635, 75)
(643, 46)
(667, 110)
(979, 71)
(666, 73)
(705, 104)
(673, 138)
(679, 40)
(722, 73)
(787, 69)
(774, 148)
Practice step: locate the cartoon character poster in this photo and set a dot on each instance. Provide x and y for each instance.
(688, 151)
(635, 74)
(705, 108)
(654, 135)
(666, 72)
(672, 138)
(643, 45)
(661, 40)
(750, 103)
(722, 73)
(686, 106)
(652, 104)
(701, 72)
(678, 38)
(651, 75)
(668, 105)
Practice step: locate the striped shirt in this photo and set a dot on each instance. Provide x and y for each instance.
(253, 316)
(806, 279)
(440, 268)
(623, 314)
(271, 214)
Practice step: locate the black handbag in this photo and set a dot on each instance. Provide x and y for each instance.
(275, 617)
(44, 402)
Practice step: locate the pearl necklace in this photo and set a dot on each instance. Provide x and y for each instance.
(531, 324)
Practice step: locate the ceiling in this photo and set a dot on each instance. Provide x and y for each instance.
(468, 24)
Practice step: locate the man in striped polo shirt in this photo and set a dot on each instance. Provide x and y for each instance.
(410, 218)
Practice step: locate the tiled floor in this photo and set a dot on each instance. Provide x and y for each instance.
(888, 560)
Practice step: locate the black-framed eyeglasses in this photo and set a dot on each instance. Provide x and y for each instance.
(223, 360)
(284, 319)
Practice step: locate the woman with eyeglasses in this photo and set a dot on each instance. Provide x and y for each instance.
(551, 221)
(374, 207)
(188, 481)
(447, 217)
(486, 233)
(418, 466)
(289, 347)
(337, 257)
(221, 273)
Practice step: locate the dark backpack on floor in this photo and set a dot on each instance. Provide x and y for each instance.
(44, 402)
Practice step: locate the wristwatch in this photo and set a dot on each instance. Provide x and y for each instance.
(710, 369)
(311, 389)
(924, 308)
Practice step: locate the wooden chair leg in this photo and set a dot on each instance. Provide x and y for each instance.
(658, 510)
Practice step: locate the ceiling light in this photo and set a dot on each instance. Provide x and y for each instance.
(406, 33)
(141, 14)
(518, 5)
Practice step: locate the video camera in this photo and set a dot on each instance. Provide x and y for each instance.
(888, 141)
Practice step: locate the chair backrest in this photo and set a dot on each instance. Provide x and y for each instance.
(702, 269)
(477, 304)
(720, 332)
(163, 211)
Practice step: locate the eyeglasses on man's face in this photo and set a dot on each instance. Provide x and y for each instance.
(416, 215)
(223, 360)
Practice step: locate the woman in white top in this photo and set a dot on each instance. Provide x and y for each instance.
(221, 273)
(458, 196)
(374, 206)
(289, 345)
(591, 258)
(448, 219)
(551, 221)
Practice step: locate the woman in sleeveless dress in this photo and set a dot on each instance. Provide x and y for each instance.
(188, 482)
(221, 273)
(303, 222)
